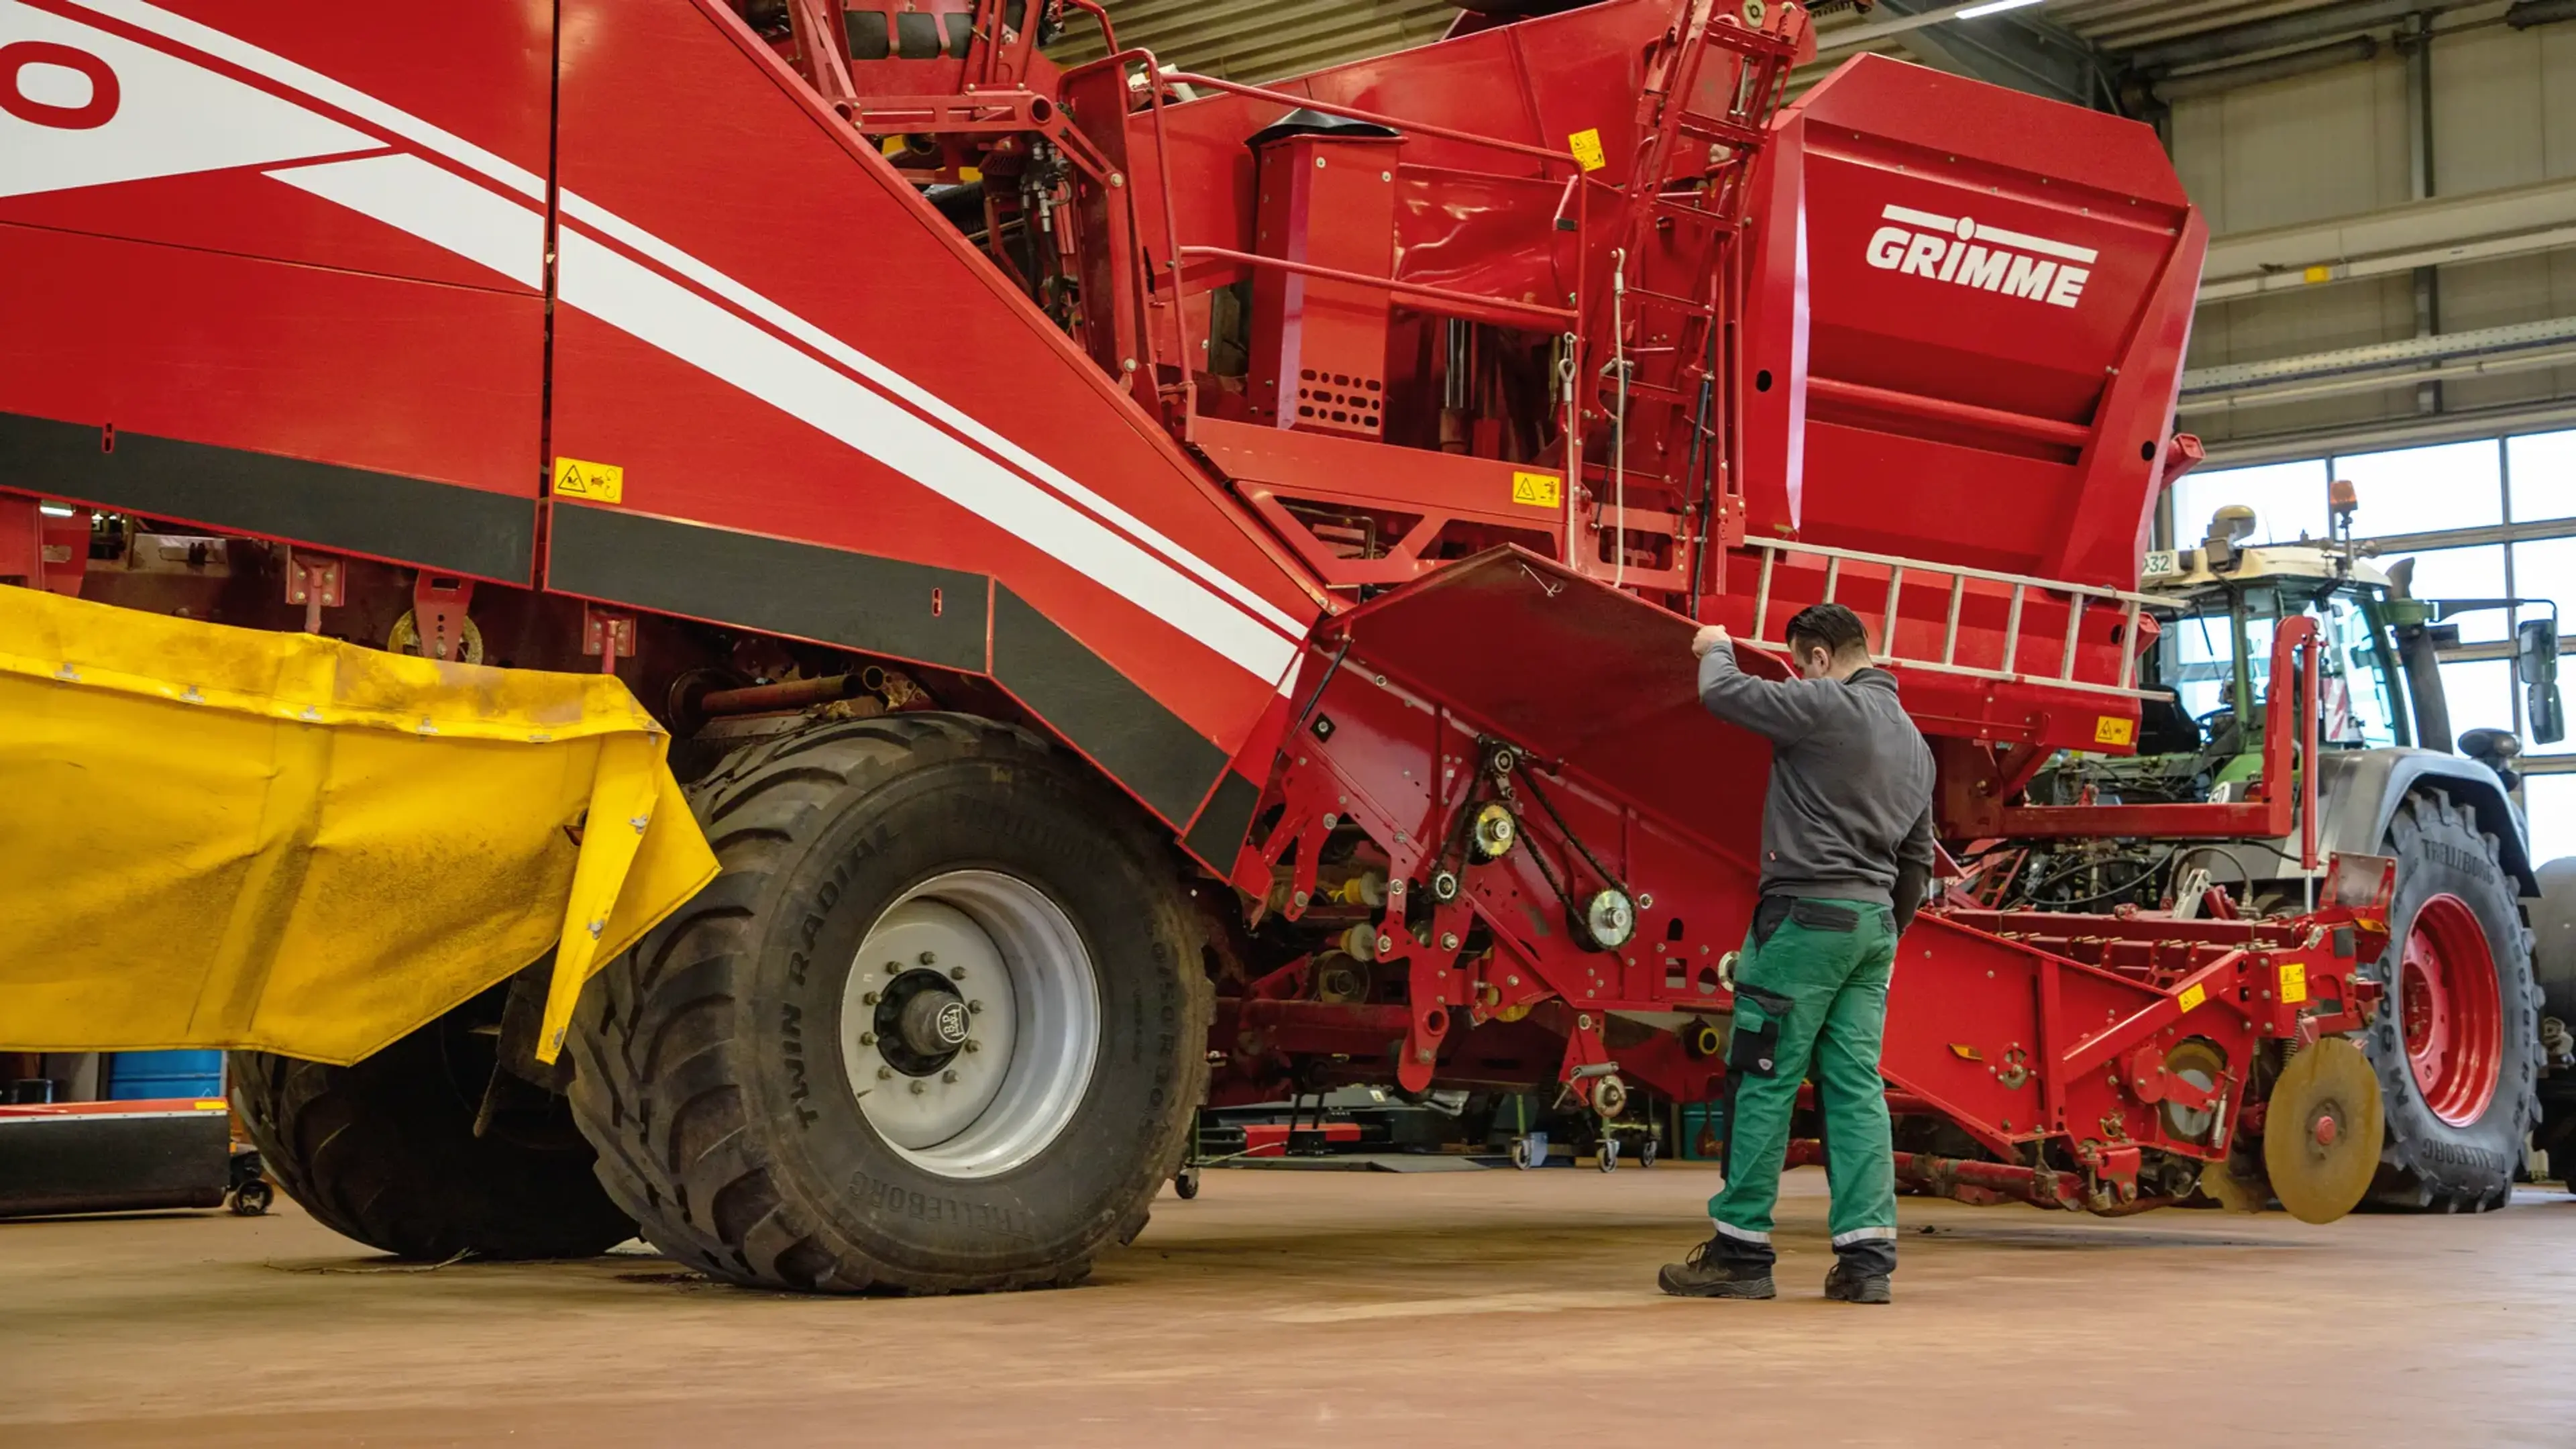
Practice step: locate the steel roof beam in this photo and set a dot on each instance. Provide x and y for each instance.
(2307, 27)
(2441, 347)
(2481, 226)
(2016, 49)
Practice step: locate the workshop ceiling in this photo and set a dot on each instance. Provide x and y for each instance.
(1257, 40)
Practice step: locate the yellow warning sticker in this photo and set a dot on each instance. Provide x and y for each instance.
(2314, 275)
(1538, 490)
(598, 482)
(215, 1104)
(2192, 996)
(2294, 982)
(2110, 729)
(1586, 146)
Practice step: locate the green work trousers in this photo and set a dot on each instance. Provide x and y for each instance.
(1811, 999)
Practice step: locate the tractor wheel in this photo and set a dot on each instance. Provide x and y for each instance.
(385, 1151)
(2457, 1042)
(2553, 961)
(940, 1025)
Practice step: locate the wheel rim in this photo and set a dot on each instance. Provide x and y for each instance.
(970, 1020)
(2450, 1011)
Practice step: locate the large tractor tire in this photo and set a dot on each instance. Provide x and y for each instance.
(385, 1151)
(939, 1026)
(2457, 1042)
(2553, 962)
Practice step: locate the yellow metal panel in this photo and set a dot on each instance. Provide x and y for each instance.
(220, 837)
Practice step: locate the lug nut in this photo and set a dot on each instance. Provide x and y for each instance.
(974, 1006)
(949, 1075)
(929, 958)
(972, 1045)
(955, 973)
(868, 1000)
(885, 1074)
(917, 1087)
(867, 1038)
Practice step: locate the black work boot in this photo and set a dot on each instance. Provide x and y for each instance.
(1850, 1284)
(1710, 1272)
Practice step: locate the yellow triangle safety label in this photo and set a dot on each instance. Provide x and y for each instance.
(598, 482)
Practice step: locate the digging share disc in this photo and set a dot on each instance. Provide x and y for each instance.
(2321, 1134)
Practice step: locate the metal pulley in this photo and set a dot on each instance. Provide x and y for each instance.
(1494, 830)
(465, 648)
(1611, 918)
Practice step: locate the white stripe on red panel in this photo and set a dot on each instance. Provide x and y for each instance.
(1027, 498)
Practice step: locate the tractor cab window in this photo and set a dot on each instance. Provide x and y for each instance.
(2362, 712)
(2225, 628)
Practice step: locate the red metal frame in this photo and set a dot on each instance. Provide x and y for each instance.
(2032, 1032)
(1633, 321)
(1978, 785)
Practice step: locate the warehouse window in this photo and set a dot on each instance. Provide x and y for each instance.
(2462, 573)
(2543, 466)
(2426, 490)
(2550, 803)
(2480, 693)
(2546, 569)
(2287, 498)
(2481, 519)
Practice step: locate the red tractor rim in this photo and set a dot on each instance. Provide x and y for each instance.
(2450, 1011)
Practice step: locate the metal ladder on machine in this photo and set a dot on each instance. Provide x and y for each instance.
(1680, 377)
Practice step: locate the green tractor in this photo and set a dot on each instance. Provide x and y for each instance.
(2473, 1061)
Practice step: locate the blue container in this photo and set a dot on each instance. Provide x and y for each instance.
(143, 1076)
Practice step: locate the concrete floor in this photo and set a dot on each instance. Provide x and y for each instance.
(1456, 1309)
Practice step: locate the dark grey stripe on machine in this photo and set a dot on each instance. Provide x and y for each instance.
(829, 595)
(1149, 748)
(440, 526)
(1219, 833)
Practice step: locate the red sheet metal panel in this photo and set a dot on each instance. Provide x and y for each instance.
(195, 253)
(772, 335)
(1968, 325)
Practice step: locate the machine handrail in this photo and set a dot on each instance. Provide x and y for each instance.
(1552, 316)
(2078, 595)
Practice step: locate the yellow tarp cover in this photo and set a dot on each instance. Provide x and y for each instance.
(219, 837)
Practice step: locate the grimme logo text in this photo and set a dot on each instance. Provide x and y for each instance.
(1968, 253)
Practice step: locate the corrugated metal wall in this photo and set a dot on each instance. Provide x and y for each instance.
(2504, 114)
(2335, 144)
(1259, 40)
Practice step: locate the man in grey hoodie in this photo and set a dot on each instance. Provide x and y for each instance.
(1846, 859)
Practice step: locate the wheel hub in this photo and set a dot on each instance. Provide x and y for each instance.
(970, 1019)
(2449, 1011)
(921, 1022)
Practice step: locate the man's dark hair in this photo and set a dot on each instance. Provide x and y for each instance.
(1830, 627)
